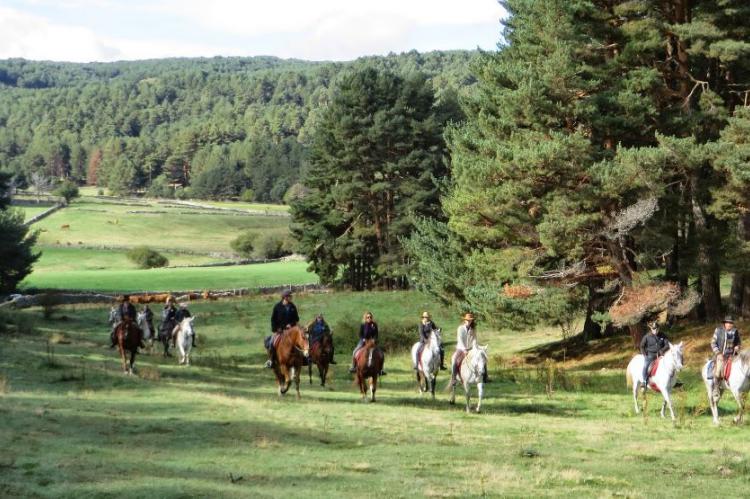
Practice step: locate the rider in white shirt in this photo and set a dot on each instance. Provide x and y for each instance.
(466, 339)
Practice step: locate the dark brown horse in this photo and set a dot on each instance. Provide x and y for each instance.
(291, 350)
(320, 354)
(128, 337)
(369, 362)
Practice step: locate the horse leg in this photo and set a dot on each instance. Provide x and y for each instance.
(480, 394)
(740, 406)
(636, 385)
(323, 371)
(452, 400)
(467, 391)
(667, 403)
(121, 347)
(309, 369)
(373, 385)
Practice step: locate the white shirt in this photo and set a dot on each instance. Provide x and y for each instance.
(466, 338)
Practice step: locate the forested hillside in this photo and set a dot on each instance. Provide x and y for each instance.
(210, 128)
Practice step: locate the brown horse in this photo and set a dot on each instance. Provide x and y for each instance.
(128, 342)
(320, 354)
(369, 362)
(291, 350)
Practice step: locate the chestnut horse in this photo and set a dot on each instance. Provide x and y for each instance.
(291, 350)
(129, 342)
(369, 362)
(320, 354)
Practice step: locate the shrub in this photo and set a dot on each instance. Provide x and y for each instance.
(244, 244)
(248, 196)
(147, 258)
(271, 246)
(49, 302)
(66, 190)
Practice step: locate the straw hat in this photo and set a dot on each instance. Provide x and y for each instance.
(426, 315)
(468, 316)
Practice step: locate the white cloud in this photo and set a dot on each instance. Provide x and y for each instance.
(292, 16)
(323, 29)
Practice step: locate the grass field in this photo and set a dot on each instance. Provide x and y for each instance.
(94, 223)
(129, 280)
(73, 426)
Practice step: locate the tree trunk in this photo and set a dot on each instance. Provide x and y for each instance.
(709, 274)
(737, 294)
(591, 329)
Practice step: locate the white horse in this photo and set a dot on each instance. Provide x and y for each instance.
(429, 364)
(148, 334)
(664, 379)
(738, 383)
(472, 371)
(185, 335)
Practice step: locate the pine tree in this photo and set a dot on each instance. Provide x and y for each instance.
(374, 160)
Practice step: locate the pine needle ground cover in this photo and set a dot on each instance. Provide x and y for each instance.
(74, 426)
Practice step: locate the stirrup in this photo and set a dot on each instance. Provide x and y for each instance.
(352, 369)
(269, 364)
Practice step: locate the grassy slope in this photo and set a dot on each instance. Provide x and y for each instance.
(82, 429)
(101, 223)
(215, 278)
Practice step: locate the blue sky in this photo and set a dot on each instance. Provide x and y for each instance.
(106, 30)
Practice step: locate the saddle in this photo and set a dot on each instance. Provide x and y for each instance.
(728, 367)
(358, 356)
(276, 339)
(315, 348)
(460, 356)
(652, 372)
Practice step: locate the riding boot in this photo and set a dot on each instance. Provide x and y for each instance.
(485, 378)
(442, 359)
(353, 369)
(194, 346)
(453, 374)
(332, 361)
(269, 362)
(112, 339)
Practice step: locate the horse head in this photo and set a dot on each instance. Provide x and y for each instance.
(187, 326)
(435, 337)
(302, 341)
(479, 359)
(112, 315)
(677, 355)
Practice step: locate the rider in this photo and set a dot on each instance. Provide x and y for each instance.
(284, 316)
(466, 339)
(317, 329)
(425, 329)
(653, 345)
(181, 313)
(368, 330)
(168, 321)
(125, 313)
(149, 317)
(725, 343)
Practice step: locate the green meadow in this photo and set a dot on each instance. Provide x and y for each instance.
(75, 426)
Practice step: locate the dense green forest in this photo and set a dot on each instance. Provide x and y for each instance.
(207, 128)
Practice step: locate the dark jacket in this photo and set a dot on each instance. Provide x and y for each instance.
(725, 340)
(368, 331)
(169, 314)
(182, 313)
(653, 345)
(318, 330)
(127, 310)
(425, 330)
(283, 315)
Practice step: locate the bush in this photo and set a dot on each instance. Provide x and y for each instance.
(248, 196)
(147, 258)
(18, 322)
(244, 244)
(49, 302)
(66, 190)
(271, 246)
(393, 337)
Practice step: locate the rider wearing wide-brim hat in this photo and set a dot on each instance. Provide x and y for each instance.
(426, 326)
(466, 339)
(725, 343)
(168, 322)
(653, 344)
(125, 313)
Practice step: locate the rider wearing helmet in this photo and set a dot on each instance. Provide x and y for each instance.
(181, 313)
(654, 344)
(284, 316)
(368, 330)
(125, 313)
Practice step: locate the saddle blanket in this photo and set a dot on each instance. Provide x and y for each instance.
(727, 368)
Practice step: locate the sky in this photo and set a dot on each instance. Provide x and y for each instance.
(109, 30)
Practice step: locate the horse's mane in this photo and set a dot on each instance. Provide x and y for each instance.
(745, 356)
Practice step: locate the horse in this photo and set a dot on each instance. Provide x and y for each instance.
(320, 354)
(113, 316)
(369, 360)
(738, 383)
(291, 350)
(165, 336)
(128, 342)
(148, 333)
(663, 379)
(429, 364)
(185, 334)
(471, 371)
